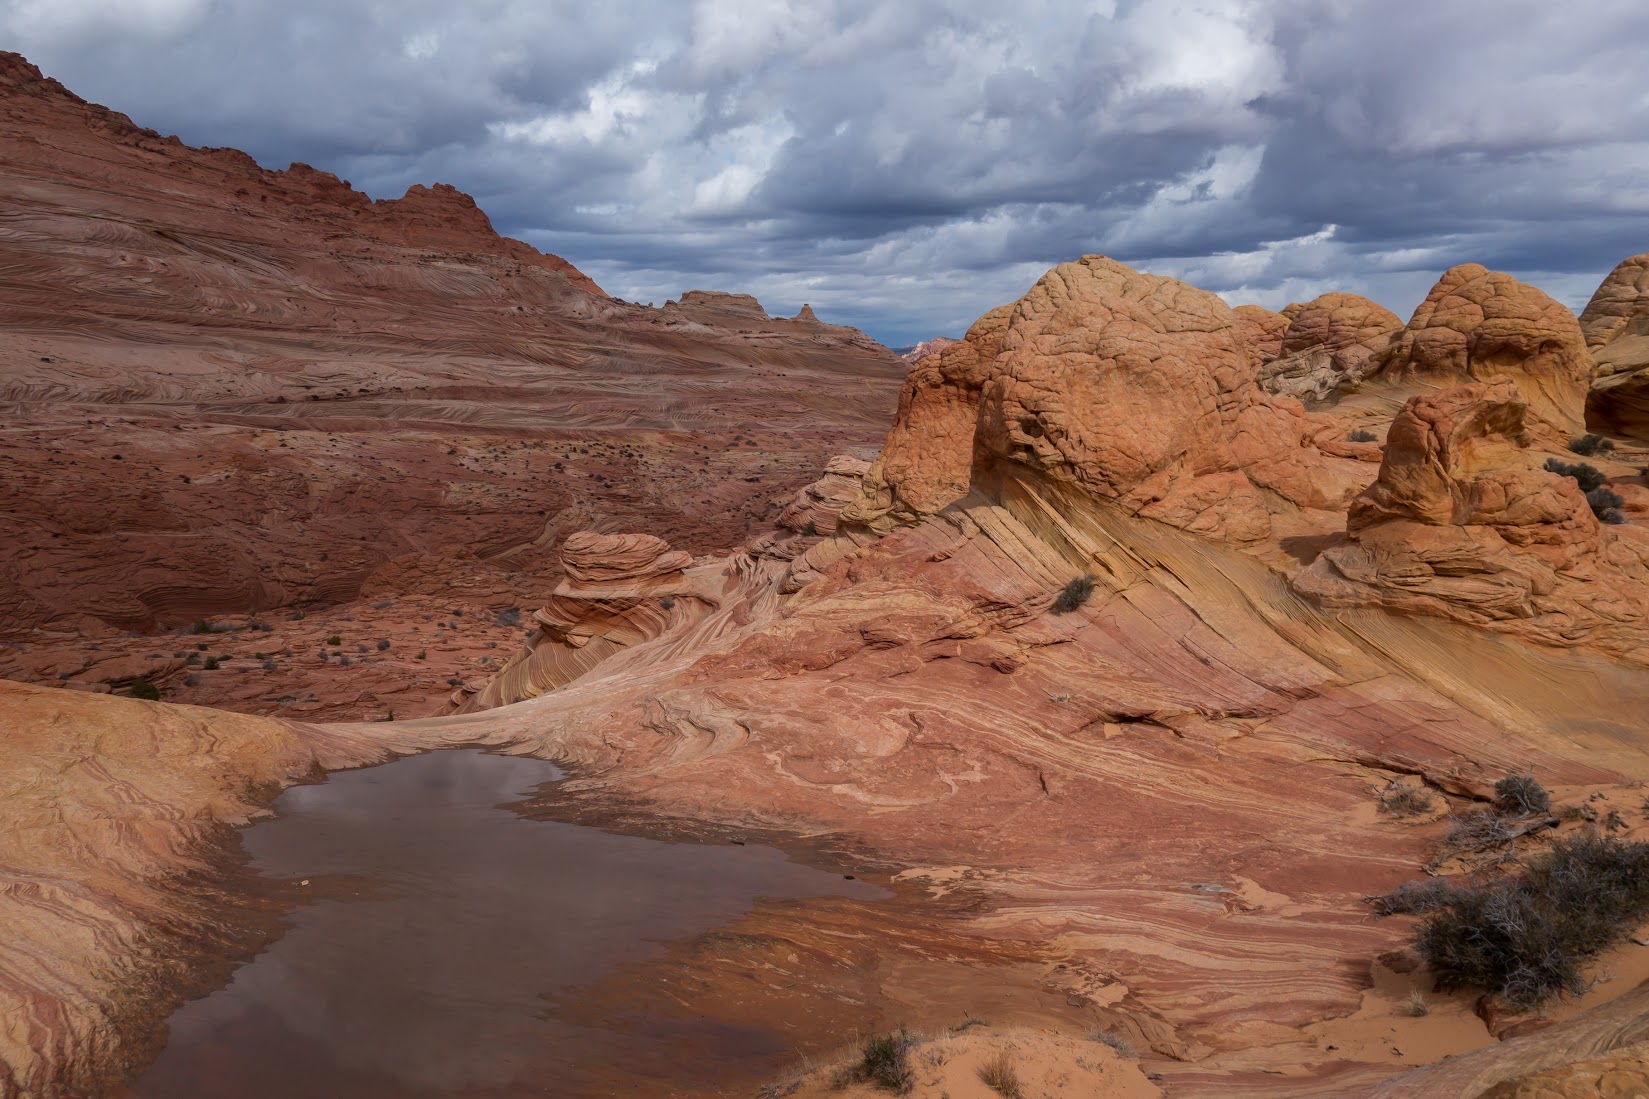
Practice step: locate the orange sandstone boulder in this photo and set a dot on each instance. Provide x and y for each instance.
(1616, 325)
(1138, 388)
(1463, 523)
(1332, 341)
(1263, 330)
(598, 558)
(1477, 324)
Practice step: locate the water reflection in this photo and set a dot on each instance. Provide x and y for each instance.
(446, 922)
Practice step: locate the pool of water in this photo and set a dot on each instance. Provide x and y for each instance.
(444, 927)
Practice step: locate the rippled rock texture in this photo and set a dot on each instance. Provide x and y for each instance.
(1477, 324)
(1616, 324)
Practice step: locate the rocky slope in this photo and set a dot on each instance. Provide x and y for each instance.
(1152, 812)
(229, 389)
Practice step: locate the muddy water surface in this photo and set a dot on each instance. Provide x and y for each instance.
(446, 936)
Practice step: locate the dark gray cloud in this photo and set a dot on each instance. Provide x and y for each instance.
(904, 166)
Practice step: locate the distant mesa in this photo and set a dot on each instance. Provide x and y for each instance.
(732, 303)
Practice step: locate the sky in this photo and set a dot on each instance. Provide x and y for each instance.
(906, 165)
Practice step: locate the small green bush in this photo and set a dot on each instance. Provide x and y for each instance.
(1589, 445)
(210, 664)
(142, 688)
(421, 655)
(1074, 594)
(383, 643)
(335, 639)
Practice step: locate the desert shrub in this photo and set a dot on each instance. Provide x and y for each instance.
(142, 688)
(667, 602)
(335, 639)
(1362, 435)
(1589, 445)
(1115, 1041)
(1000, 1075)
(201, 626)
(1586, 476)
(270, 665)
(508, 617)
(383, 643)
(810, 530)
(1606, 505)
(192, 679)
(1475, 830)
(1527, 936)
(885, 1061)
(1416, 1006)
(1405, 801)
(343, 660)
(1521, 796)
(1074, 594)
(210, 664)
(421, 655)
(1413, 898)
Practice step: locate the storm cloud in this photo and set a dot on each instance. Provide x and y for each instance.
(904, 166)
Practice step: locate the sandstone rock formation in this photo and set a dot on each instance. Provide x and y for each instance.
(1616, 325)
(1463, 524)
(1331, 342)
(1079, 776)
(1263, 329)
(1139, 388)
(927, 347)
(620, 590)
(1151, 812)
(1477, 324)
(232, 389)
